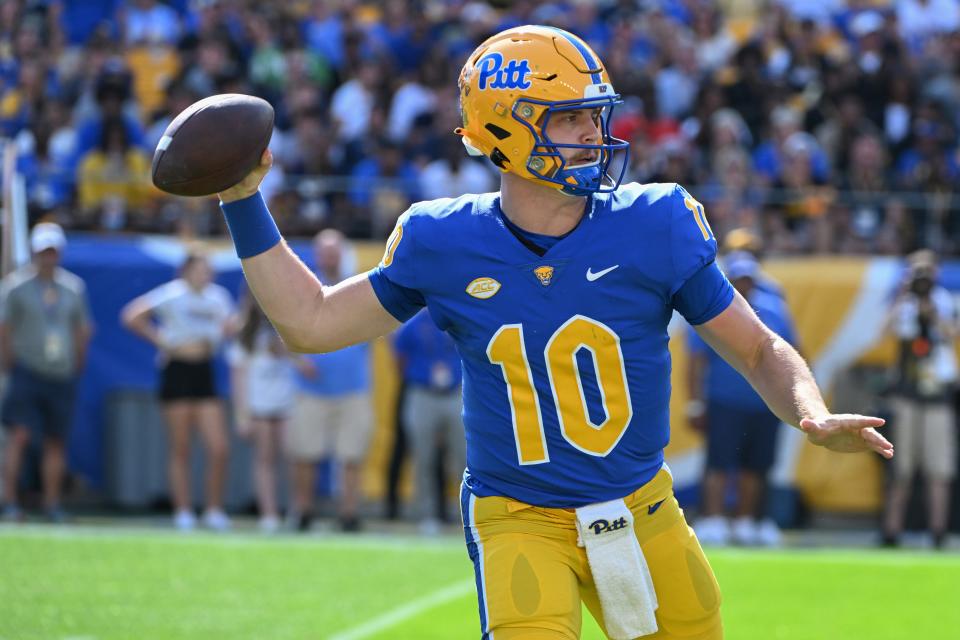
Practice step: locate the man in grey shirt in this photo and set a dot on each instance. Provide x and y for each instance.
(44, 331)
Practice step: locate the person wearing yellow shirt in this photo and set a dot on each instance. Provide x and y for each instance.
(114, 177)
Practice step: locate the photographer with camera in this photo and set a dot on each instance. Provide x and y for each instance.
(924, 320)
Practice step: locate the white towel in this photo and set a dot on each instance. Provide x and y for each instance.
(619, 569)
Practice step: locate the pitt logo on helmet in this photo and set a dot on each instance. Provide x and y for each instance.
(512, 76)
(544, 275)
(483, 288)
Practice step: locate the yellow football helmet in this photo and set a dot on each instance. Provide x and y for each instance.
(513, 83)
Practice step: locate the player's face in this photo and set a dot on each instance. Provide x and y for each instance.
(579, 126)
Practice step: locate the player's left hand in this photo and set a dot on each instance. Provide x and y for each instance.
(847, 433)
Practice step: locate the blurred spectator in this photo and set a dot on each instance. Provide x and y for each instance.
(45, 152)
(868, 219)
(332, 416)
(920, 19)
(768, 158)
(111, 100)
(748, 93)
(215, 59)
(114, 178)
(191, 316)
(413, 98)
(734, 201)
(924, 320)
(676, 83)
(263, 386)
(148, 22)
(798, 219)
(454, 173)
(325, 28)
(741, 431)
(430, 369)
(837, 134)
(384, 185)
(44, 331)
(715, 42)
(353, 103)
(177, 97)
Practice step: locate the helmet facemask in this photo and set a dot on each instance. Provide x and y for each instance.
(546, 161)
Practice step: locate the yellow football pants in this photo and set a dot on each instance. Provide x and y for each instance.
(531, 575)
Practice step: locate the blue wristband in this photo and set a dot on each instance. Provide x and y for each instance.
(251, 226)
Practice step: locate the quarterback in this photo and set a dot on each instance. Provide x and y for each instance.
(557, 291)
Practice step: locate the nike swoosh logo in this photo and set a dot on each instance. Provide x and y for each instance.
(591, 276)
(653, 508)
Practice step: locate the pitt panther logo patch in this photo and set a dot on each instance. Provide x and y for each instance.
(494, 75)
(544, 275)
(602, 526)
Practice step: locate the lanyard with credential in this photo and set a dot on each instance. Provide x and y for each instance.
(53, 340)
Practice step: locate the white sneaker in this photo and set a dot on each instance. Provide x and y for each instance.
(744, 531)
(768, 534)
(216, 520)
(269, 524)
(184, 520)
(713, 531)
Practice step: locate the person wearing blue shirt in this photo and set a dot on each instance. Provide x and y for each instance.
(332, 416)
(430, 369)
(557, 291)
(740, 429)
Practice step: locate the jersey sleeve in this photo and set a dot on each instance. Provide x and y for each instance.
(396, 280)
(157, 298)
(692, 244)
(699, 290)
(704, 295)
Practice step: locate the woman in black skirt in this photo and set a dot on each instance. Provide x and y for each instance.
(187, 319)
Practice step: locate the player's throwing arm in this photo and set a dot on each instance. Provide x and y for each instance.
(219, 146)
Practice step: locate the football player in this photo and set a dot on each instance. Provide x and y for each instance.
(557, 291)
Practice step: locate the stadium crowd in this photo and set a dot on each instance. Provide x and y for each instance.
(827, 126)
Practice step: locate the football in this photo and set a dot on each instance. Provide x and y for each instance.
(212, 144)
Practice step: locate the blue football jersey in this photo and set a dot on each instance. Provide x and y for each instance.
(566, 370)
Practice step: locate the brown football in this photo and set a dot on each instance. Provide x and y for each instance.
(212, 144)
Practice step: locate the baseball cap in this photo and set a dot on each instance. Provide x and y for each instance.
(740, 264)
(47, 235)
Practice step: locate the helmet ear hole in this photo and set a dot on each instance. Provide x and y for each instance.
(498, 158)
(499, 132)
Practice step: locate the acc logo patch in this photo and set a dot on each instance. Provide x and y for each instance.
(512, 76)
(483, 288)
(544, 275)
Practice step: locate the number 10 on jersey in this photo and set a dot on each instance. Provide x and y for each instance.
(507, 349)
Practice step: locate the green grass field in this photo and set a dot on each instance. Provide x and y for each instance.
(87, 584)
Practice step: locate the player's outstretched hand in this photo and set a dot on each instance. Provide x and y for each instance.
(249, 185)
(847, 433)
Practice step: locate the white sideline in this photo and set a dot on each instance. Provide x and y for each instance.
(406, 611)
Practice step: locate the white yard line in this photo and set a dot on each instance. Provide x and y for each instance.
(406, 611)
